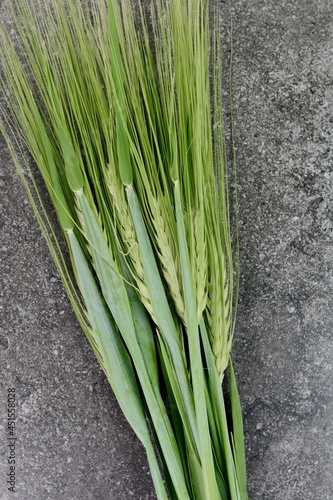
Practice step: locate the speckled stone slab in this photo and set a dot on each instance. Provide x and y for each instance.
(72, 440)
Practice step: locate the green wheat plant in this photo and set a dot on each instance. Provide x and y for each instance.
(119, 106)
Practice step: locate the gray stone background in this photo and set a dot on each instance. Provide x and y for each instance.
(73, 441)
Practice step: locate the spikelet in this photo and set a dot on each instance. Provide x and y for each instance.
(218, 308)
(128, 236)
(168, 256)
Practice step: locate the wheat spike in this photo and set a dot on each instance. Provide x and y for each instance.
(168, 256)
(128, 237)
(200, 264)
(218, 308)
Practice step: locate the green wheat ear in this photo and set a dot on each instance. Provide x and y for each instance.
(115, 104)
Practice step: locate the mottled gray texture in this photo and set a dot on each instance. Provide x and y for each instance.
(283, 95)
(73, 441)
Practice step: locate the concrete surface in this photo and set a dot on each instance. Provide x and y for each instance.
(283, 94)
(73, 442)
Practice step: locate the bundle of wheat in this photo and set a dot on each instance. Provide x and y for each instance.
(116, 110)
